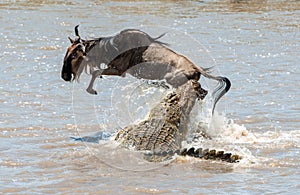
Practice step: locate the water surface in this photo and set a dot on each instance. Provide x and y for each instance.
(254, 43)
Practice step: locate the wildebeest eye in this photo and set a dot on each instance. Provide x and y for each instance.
(80, 48)
(74, 55)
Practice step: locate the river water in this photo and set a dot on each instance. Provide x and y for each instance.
(254, 43)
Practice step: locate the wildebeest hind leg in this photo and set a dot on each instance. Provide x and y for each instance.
(176, 79)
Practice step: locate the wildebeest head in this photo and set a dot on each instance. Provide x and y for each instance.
(73, 58)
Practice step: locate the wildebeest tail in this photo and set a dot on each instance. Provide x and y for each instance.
(223, 87)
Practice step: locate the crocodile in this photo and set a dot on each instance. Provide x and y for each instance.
(162, 133)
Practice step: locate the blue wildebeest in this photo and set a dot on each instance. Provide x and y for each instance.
(134, 52)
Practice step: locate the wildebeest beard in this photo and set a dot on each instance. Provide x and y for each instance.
(135, 52)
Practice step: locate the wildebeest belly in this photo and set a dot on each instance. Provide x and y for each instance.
(159, 62)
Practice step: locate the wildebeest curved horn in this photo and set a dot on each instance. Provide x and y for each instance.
(76, 31)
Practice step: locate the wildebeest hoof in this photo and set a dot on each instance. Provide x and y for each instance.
(91, 91)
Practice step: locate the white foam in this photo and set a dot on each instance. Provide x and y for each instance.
(229, 136)
(230, 131)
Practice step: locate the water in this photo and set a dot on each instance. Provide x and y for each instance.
(255, 43)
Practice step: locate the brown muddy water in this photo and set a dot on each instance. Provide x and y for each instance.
(254, 43)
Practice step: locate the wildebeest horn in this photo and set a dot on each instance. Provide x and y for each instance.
(76, 31)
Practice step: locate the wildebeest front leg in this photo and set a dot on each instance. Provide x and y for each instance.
(98, 73)
(95, 74)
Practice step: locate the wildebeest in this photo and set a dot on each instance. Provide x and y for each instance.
(137, 53)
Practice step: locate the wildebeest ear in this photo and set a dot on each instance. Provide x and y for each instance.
(71, 40)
